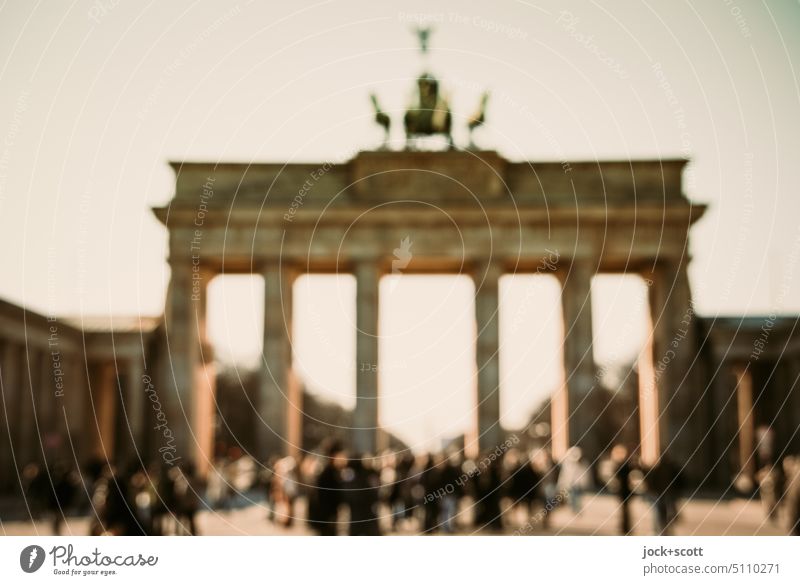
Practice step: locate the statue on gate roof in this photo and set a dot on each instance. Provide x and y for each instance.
(430, 115)
(429, 112)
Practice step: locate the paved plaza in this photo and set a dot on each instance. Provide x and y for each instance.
(702, 517)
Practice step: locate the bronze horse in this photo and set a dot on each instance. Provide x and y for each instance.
(430, 115)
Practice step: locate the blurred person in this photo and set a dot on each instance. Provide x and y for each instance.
(417, 491)
(429, 480)
(791, 468)
(188, 489)
(36, 489)
(99, 499)
(406, 470)
(771, 481)
(449, 481)
(61, 497)
(401, 499)
(325, 497)
(266, 478)
(89, 476)
(122, 517)
(549, 472)
(140, 496)
(163, 499)
(621, 485)
(361, 485)
(151, 496)
(575, 478)
(468, 472)
(94, 469)
(113, 507)
(524, 484)
(284, 490)
(513, 486)
(245, 475)
(219, 487)
(488, 484)
(232, 476)
(390, 489)
(765, 446)
(664, 481)
(309, 469)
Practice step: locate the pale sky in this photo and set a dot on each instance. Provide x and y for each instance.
(96, 97)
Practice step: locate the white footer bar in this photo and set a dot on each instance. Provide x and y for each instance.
(400, 560)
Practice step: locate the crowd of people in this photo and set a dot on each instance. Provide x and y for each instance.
(509, 490)
(401, 492)
(660, 483)
(779, 488)
(332, 492)
(159, 500)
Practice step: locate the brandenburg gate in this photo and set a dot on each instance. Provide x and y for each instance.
(468, 212)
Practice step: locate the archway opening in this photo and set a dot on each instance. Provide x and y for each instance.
(531, 358)
(235, 329)
(324, 353)
(623, 355)
(427, 359)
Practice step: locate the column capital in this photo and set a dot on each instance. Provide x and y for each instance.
(667, 268)
(487, 270)
(574, 268)
(271, 264)
(189, 277)
(367, 266)
(179, 267)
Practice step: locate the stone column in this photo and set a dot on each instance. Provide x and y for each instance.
(205, 376)
(10, 377)
(672, 315)
(48, 406)
(365, 416)
(579, 368)
(187, 432)
(278, 403)
(183, 346)
(746, 428)
(784, 417)
(105, 397)
(724, 465)
(28, 439)
(134, 409)
(76, 404)
(793, 405)
(487, 353)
